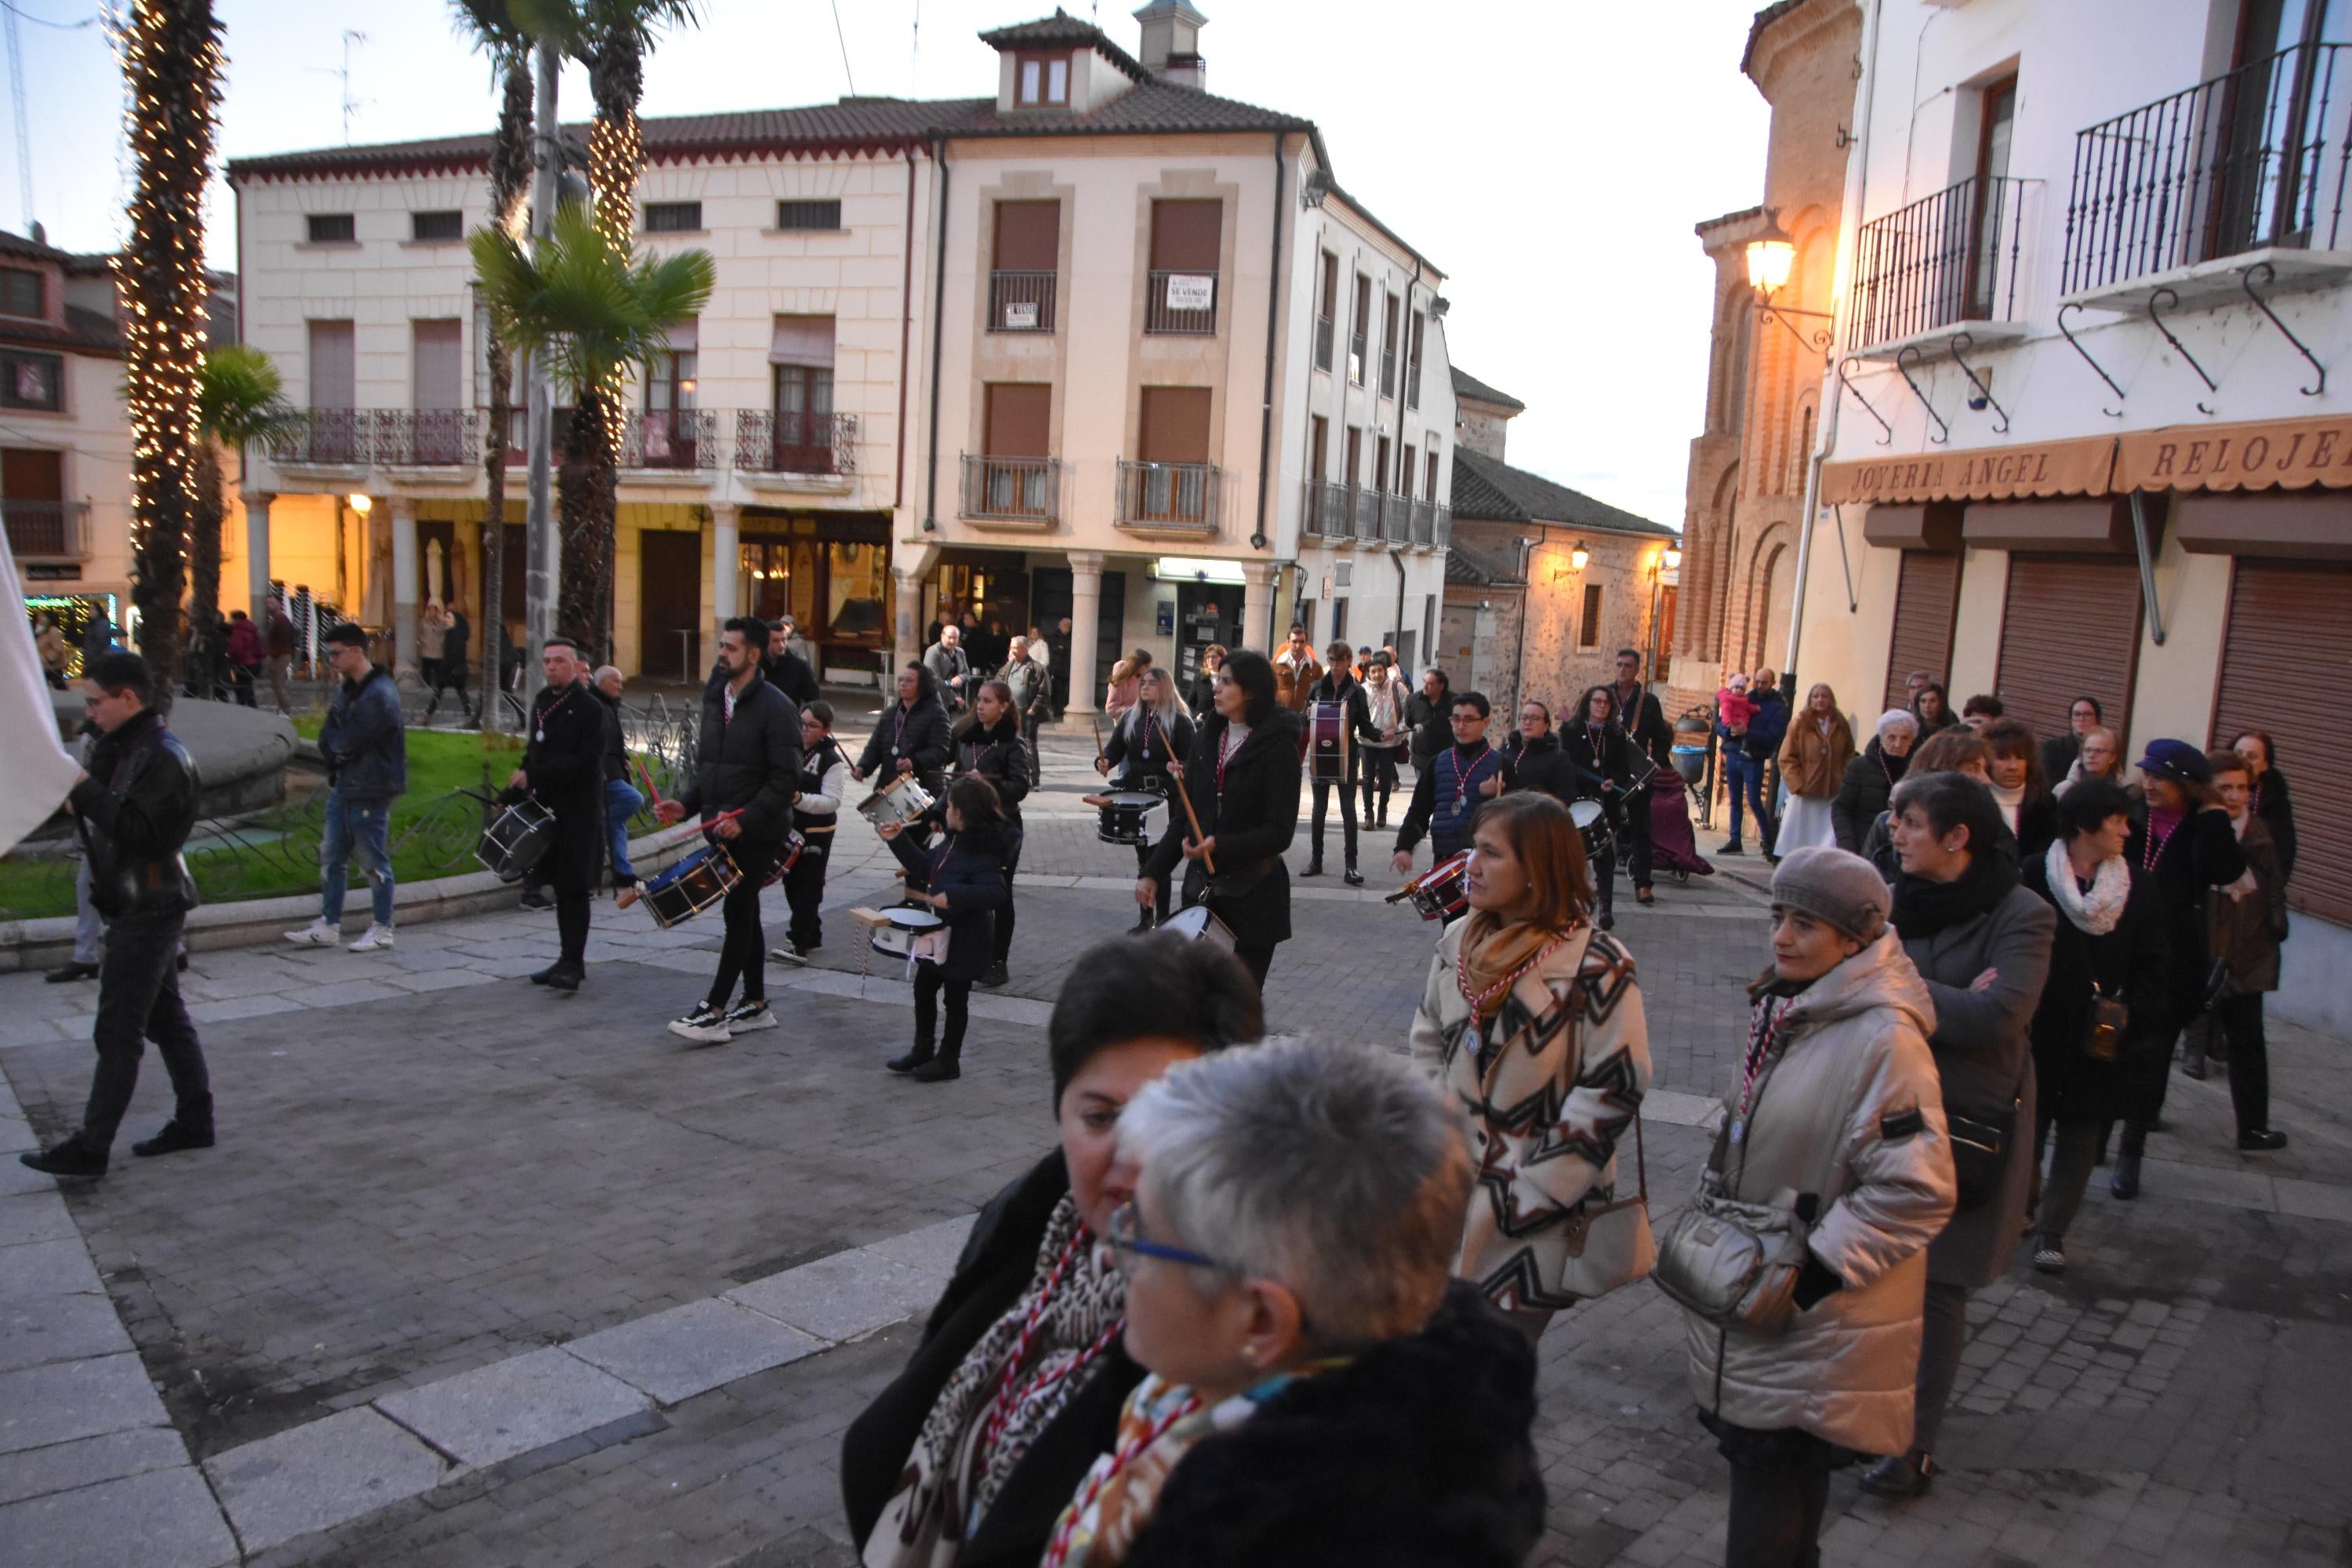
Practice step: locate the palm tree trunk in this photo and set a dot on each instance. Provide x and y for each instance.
(207, 511)
(171, 62)
(583, 518)
(509, 178)
(616, 77)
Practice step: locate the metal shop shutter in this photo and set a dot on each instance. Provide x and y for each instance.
(2071, 628)
(2288, 649)
(1926, 597)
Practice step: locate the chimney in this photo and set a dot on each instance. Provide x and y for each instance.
(40, 234)
(1171, 43)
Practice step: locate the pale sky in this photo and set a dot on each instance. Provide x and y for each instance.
(1551, 155)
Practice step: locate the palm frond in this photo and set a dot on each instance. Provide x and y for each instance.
(240, 397)
(583, 306)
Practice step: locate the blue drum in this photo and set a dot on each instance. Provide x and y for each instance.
(703, 878)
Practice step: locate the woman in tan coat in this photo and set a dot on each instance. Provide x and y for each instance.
(1813, 755)
(1532, 1021)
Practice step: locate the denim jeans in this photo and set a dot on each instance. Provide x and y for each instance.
(363, 827)
(1743, 777)
(621, 802)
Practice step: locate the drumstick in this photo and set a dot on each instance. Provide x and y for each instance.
(646, 774)
(1095, 723)
(1207, 859)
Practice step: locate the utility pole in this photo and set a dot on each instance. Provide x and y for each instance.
(542, 555)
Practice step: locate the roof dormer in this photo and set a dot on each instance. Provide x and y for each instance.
(1059, 66)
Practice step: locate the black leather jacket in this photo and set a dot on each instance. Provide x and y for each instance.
(136, 809)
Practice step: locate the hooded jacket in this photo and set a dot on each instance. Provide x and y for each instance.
(921, 733)
(995, 754)
(1848, 1111)
(1414, 1454)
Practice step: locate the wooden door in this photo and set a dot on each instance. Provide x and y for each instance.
(669, 596)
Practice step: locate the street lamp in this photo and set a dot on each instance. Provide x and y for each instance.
(360, 503)
(1769, 260)
(1674, 558)
(1579, 556)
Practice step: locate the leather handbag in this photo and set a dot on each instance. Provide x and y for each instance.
(2103, 1032)
(1733, 1264)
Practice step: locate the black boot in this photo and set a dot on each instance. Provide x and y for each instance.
(997, 974)
(562, 977)
(2124, 1183)
(941, 1068)
(1352, 877)
(190, 1126)
(920, 1057)
(77, 970)
(1900, 1476)
(71, 1158)
(1314, 865)
(2193, 1064)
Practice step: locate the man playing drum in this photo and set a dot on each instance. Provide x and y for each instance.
(1452, 786)
(1339, 688)
(563, 770)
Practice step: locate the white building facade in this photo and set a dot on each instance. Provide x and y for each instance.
(2083, 435)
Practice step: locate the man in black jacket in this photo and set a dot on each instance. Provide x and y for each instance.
(785, 670)
(748, 770)
(1653, 740)
(1427, 713)
(1338, 684)
(133, 809)
(563, 770)
(912, 735)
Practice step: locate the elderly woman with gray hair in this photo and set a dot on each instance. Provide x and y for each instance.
(1318, 1392)
(1871, 778)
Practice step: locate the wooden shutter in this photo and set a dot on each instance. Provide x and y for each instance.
(1020, 419)
(2288, 645)
(1925, 599)
(1185, 236)
(439, 365)
(333, 367)
(32, 474)
(1028, 237)
(2071, 628)
(1175, 424)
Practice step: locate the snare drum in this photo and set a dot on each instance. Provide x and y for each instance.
(1327, 741)
(1441, 892)
(793, 845)
(518, 840)
(1197, 924)
(897, 940)
(703, 878)
(1126, 816)
(1592, 826)
(902, 800)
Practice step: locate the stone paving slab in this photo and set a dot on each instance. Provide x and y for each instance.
(690, 1350)
(324, 1474)
(62, 1402)
(512, 1407)
(56, 1329)
(844, 1296)
(161, 1519)
(932, 1250)
(42, 1269)
(86, 1461)
(35, 1216)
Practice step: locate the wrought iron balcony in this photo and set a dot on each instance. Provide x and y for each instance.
(1946, 258)
(427, 438)
(796, 443)
(1168, 495)
(1323, 509)
(1366, 507)
(1396, 520)
(327, 437)
(676, 439)
(1021, 300)
(1444, 525)
(2254, 159)
(1424, 521)
(46, 530)
(1322, 342)
(1181, 303)
(1011, 489)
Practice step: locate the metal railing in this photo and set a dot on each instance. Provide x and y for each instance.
(1356, 358)
(2257, 157)
(338, 437)
(1388, 370)
(1424, 521)
(1323, 509)
(427, 438)
(1365, 506)
(1168, 495)
(1396, 518)
(1948, 257)
(792, 442)
(46, 530)
(670, 439)
(1444, 525)
(1322, 342)
(1174, 302)
(1021, 300)
(1025, 489)
(1413, 382)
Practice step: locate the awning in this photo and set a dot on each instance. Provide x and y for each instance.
(2076, 468)
(2292, 453)
(803, 340)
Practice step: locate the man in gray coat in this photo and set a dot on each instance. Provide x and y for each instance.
(366, 749)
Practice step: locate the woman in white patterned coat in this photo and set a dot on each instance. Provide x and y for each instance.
(1532, 1021)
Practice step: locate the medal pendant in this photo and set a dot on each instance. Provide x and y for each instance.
(539, 735)
(1739, 1134)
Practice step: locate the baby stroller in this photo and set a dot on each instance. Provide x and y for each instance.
(1673, 848)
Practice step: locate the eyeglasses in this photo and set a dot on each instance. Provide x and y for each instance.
(1126, 1237)
(1469, 718)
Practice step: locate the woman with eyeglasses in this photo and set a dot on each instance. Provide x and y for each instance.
(1319, 1393)
(967, 1457)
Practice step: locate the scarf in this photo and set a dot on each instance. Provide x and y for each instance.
(2013, 802)
(1492, 953)
(1923, 908)
(2096, 912)
(984, 1420)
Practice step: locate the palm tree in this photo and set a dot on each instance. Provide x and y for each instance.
(587, 309)
(240, 398)
(172, 67)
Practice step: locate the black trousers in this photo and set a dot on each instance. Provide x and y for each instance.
(2240, 1021)
(572, 930)
(1005, 917)
(1635, 833)
(1029, 723)
(1345, 786)
(2146, 1075)
(1258, 960)
(804, 891)
(138, 1000)
(1780, 1492)
(743, 951)
(1377, 767)
(928, 984)
(1604, 875)
(1160, 903)
(447, 674)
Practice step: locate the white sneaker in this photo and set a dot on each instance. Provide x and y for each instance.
(789, 955)
(705, 1024)
(750, 1015)
(375, 939)
(317, 933)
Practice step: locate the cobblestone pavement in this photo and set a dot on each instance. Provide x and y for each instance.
(430, 1173)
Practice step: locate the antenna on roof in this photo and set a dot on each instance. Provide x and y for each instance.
(24, 137)
(915, 54)
(842, 39)
(350, 105)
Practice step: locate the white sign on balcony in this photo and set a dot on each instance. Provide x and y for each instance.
(1021, 315)
(1191, 290)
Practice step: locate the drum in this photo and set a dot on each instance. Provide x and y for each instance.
(793, 845)
(703, 878)
(518, 840)
(1327, 741)
(902, 800)
(1592, 826)
(897, 940)
(1441, 892)
(1130, 816)
(1197, 924)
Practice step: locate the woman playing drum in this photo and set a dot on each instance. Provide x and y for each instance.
(962, 878)
(1155, 732)
(989, 747)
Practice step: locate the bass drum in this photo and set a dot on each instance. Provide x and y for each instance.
(1592, 826)
(1325, 738)
(1197, 924)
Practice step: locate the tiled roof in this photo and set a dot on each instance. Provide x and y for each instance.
(1469, 567)
(1764, 18)
(1061, 27)
(1487, 491)
(1468, 385)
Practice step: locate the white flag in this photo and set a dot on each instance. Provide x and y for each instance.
(36, 771)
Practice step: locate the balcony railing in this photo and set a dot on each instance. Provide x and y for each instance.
(1322, 342)
(1168, 495)
(1424, 521)
(426, 438)
(671, 438)
(796, 443)
(1412, 383)
(1366, 507)
(1388, 372)
(47, 529)
(1396, 520)
(1021, 300)
(1026, 489)
(327, 436)
(1180, 303)
(2255, 158)
(1323, 509)
(1944, 259)
(1356, 358)
(1444, 525)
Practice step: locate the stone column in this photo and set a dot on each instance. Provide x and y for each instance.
(910, 564)
(256, 555)
(406, 576)
(725, 565)
(1258, 603)
(1085, 613)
